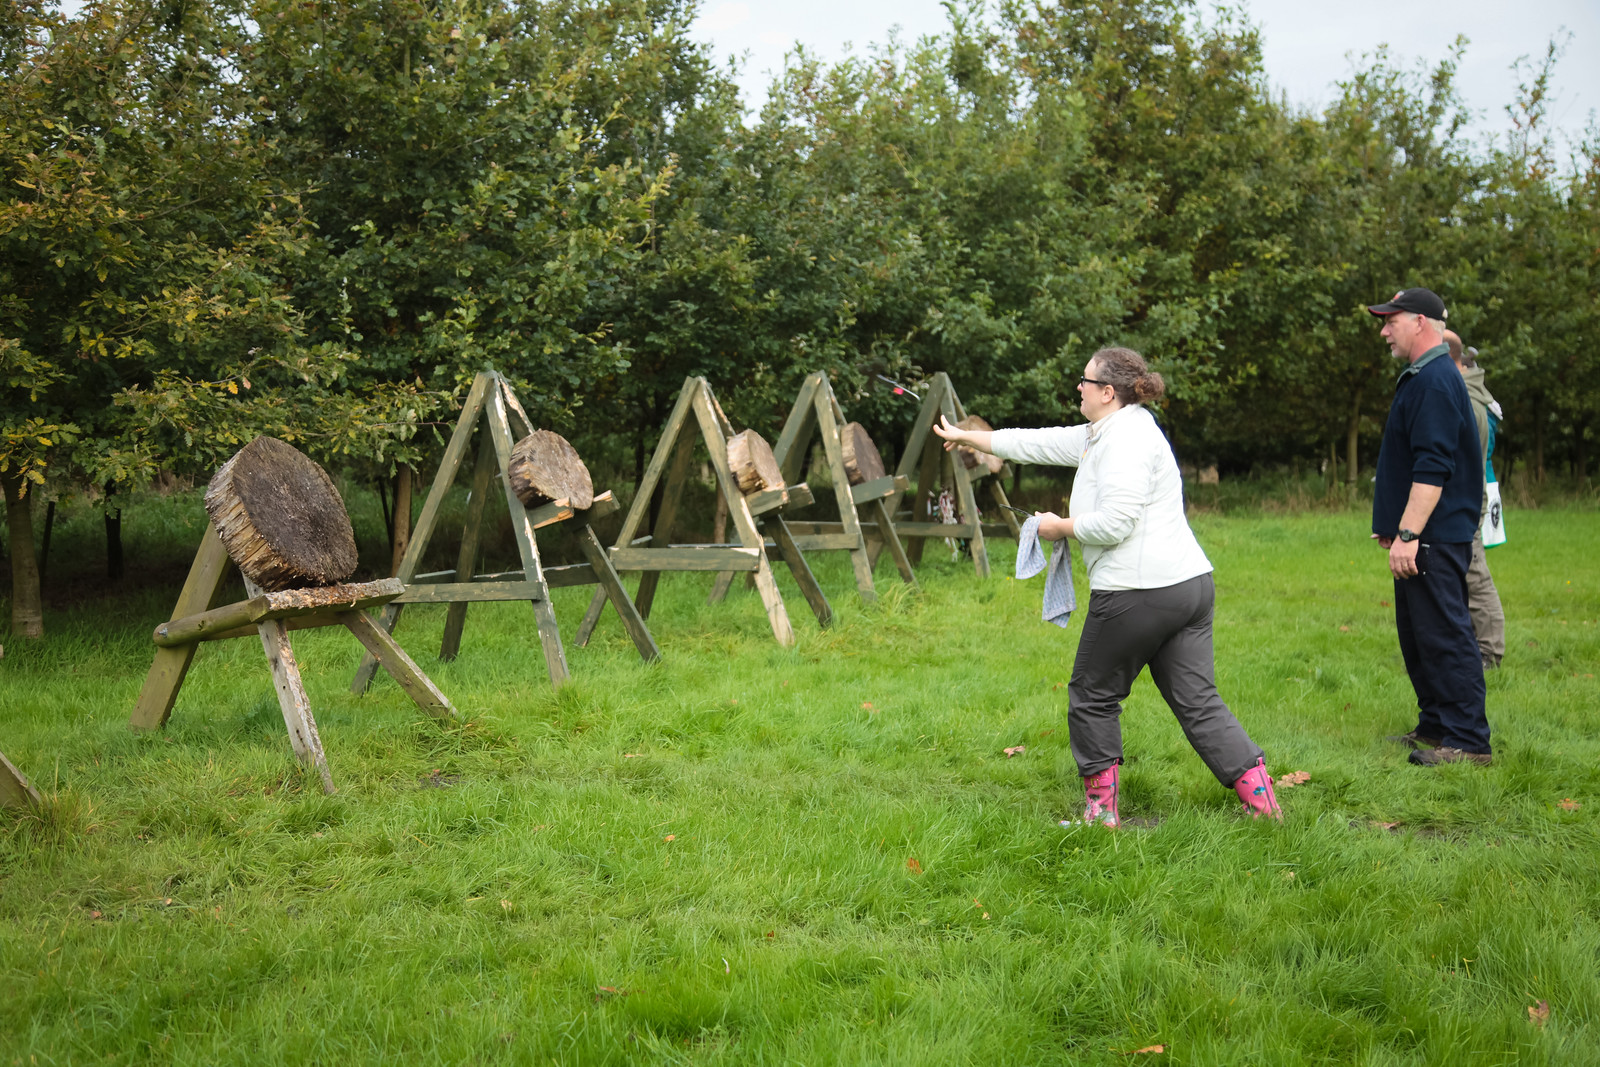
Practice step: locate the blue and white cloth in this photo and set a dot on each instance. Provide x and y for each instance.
(1059, 598)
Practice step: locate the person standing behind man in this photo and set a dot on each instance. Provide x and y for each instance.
(1425, 510)
(1483, 599)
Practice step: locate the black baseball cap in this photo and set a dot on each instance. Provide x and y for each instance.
(1424, 302)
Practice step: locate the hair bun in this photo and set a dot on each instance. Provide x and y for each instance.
(1149, 386)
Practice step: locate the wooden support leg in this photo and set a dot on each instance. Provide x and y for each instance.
(418, 686)
(777, 614)
(15, 789)
(720, 587)
(591, 618)
(891, 541)
(369, 663)
(456, 620)
(666, 519)
(927, 482)
(303, 737)
(632, 621)
(161, 685)
(801, 571)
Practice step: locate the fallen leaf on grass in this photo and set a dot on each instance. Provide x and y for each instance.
(506, 904)
(1147, 1048)
(632, 755)
(1383, 603)
(1046, 733)
(1344, 629)
(1568, 804)
(610, 991)
(96, 914)
(985, 915)
(868, 705)
(912, 865)
(1016, 750)
(1292, 779)
(1539, 1014)
(772, 933)
(670, 837)
(1385, 825)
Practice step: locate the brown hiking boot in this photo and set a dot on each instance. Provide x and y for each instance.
(1432, 757)
(1413, 740)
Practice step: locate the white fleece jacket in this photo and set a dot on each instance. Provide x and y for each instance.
(1127, 500)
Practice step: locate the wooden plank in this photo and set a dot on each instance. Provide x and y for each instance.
(301, 622)
(936, 529)
(606, 575)
(283, 604)
(297, 718)
(549, 514)
(720, 587)
(555, 657)
(640, 509)
(828, 419)
(767, 500)
(207, 574)
(885, 528)
(802, 572)
(455, 622)
(1010, 518)
(604, 504)
(454, 452)
(570, 575)
(689, 558)
(964, 495)
(417, 685)
(927, 481)
(15, 789)
(815, 529)
(879, 489)
(834, 542)
(469, 592)
(667, 517)
(743, 521)
(516, 407)
(795, 440)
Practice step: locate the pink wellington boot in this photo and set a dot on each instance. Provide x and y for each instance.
(1255, 789)
(1100, 801)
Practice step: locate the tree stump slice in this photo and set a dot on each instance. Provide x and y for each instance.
(544, 467)
(752, 463)
(972, 459)
(280, 517)
(861, 459)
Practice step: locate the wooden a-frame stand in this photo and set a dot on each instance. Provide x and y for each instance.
(15, 789)
(492, 401)
(272, 616)
(816, 412)
(650, 551)
(925, 455)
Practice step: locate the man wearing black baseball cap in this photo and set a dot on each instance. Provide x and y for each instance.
(1425, 510)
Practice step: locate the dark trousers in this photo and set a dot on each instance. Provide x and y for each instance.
(1168, 630)
(1440, 649)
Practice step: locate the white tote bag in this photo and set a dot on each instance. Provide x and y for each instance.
(1494, 520)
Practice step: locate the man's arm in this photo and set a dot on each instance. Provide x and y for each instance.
(1419, 506)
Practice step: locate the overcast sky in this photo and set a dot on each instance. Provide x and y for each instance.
(1306, 43)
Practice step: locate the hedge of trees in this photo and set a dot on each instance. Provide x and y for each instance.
(319, 218)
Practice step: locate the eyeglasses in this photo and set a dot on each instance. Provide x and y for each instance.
(1093, 381)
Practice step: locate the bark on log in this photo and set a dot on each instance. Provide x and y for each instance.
(544, 467)
(861, 459)
(752, 463)
(971, 459)
(280, 517)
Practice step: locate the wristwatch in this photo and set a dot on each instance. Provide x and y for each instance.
(1407, 535)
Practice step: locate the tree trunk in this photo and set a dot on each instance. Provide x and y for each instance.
(113, 518)
(1352, 440)
(1333, 462)
(27, 609)
(1538, 449)
(1580, 453)
(401, 538)
(44, 548)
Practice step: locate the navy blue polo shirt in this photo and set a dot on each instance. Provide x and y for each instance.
(1431, 437)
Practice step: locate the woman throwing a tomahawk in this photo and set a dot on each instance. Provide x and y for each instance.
(1150, 588)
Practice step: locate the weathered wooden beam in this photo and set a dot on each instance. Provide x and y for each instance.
(416, 685)
(455, 592)
(879, 488)
(15, 789)
(455, 622)
(200, 590)
(686, 558)
(292, 699)
(834, 542)
(282, 604)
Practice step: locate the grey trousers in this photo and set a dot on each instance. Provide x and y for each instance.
(1483, 604)
(1168, 630)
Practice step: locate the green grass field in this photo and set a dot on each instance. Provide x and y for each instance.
(746, 854)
